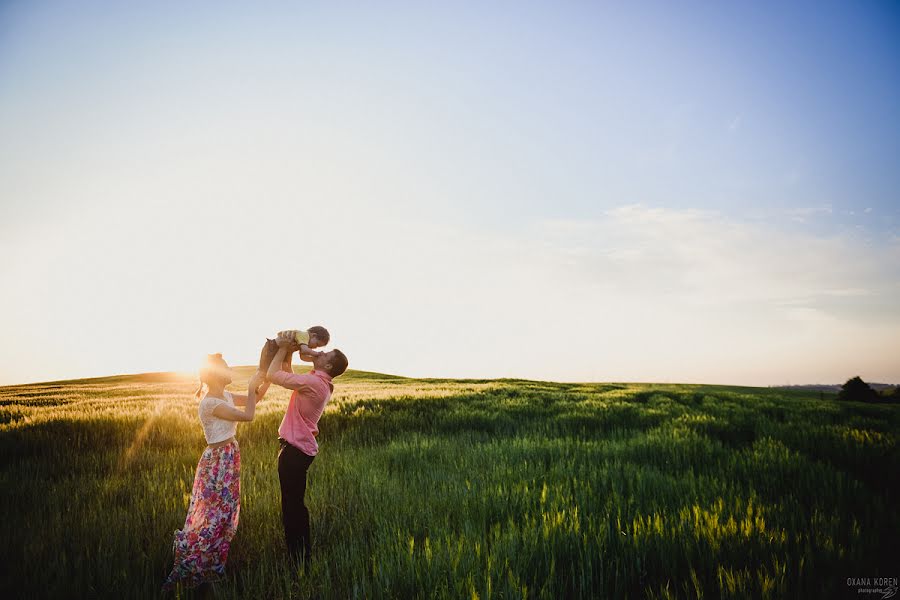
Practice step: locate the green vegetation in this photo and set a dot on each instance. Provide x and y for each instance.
(463, 489)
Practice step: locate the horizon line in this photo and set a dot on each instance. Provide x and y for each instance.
(188, 375)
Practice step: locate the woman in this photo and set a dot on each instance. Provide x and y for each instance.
(201, 547)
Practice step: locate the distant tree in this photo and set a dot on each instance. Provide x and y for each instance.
(857, 390)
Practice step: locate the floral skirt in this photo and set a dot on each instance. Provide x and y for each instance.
(201, 547)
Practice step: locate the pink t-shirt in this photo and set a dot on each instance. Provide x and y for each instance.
(312, 390)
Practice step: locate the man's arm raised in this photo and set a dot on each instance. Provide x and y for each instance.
(277, 364)
(277, 372)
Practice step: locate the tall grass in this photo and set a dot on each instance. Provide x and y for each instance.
(462, 489)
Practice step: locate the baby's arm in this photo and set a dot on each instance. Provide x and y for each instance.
(307, 353)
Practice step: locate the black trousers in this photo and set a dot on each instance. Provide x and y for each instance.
(292, 467)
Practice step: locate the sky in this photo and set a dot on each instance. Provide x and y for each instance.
(571, 191)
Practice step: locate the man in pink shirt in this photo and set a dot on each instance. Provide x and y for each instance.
(297, 434)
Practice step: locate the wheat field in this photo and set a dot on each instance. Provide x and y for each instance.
(429, 488)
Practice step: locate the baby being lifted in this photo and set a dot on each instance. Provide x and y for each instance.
(305, 341)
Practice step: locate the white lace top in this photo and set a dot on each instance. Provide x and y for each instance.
(214, 428)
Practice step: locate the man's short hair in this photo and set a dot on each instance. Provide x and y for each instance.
(320, 332)
(338, 363)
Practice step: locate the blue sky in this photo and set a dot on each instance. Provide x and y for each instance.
(484, 173)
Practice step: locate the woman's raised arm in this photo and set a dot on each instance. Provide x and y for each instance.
(223, 411)
(241, 399)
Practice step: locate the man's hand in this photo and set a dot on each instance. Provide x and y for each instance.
(284, 339)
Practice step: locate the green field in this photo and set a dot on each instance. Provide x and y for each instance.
(462, 489)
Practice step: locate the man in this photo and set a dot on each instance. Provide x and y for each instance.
(298, 431)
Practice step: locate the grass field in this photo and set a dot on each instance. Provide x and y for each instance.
(462, 489)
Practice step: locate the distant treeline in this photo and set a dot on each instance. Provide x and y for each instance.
(855, 389)
(835, 388)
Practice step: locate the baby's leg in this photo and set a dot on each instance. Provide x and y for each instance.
(269, 350)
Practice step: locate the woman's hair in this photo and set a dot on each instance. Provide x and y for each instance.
(212, 361)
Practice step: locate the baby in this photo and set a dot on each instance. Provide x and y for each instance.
(314, 337)
(305, 340)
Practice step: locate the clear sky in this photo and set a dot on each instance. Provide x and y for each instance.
(705, 192)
